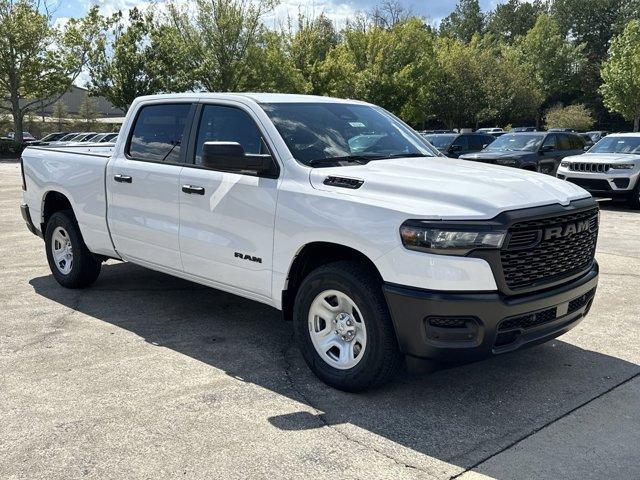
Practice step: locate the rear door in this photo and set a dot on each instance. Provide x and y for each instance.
(227, 218)
(144, 186)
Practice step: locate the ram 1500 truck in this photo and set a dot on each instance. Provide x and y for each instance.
(333, 211)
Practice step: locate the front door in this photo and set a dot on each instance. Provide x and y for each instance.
(143, 184)
(227, 219)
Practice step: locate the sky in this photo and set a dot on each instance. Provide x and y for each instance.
(337, 10)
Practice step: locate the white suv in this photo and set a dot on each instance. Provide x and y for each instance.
(610, 168)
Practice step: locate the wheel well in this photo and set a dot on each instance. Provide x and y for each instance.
(312, 256)
(531, 168)
(53, 202)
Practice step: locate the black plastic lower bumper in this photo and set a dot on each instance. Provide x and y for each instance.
(24, 210)
(461, 327)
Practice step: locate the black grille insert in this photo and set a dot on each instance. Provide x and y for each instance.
(580, 302)
(529, 320)
(563, 247)
(591, 183)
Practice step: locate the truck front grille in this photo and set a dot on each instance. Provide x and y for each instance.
(547, 250)
(589, 167)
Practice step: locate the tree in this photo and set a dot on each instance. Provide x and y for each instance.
(214, 42)
(465, 21)
(594, 22)
(389, 13)
(621, 75)
(309, 47)
(394, 68)
(514, 18)
(39, 62)
(554, 63)
(60, 113)
(88, 112)
(576, 116)
(122, 66)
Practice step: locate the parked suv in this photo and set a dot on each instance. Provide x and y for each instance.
(331, 210)
(611, 168)
(455, 144)
(536, 151)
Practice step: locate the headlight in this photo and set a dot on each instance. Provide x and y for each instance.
(622, 166)
(565, 164)
(507, 162)
(449, 239)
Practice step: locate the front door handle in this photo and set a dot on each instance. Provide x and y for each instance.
(122, 178)
(190, 189)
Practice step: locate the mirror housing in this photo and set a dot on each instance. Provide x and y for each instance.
(230, 157)
(547, 148)
(455, 148)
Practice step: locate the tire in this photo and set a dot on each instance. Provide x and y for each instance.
(76, 267)
(634, 198)
(372, 353)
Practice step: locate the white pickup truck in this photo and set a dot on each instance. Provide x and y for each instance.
(333, 211)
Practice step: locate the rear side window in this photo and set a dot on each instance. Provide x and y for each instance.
(228, 124)
(158, 131)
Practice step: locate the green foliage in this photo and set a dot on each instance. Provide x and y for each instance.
(465, 21)
(122, 67)
(621, 75)
(513, 19)
(576, 116)
(60, 113)
(554, 63)
(39, 61)
(87, 113)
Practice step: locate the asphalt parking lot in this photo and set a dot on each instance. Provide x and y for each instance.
(148, 376)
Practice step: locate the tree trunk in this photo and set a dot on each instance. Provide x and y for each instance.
(636, 123)
(18, 116)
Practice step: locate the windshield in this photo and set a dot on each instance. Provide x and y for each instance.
(611, 144)
(333, 133)
(441, 142)
(515, 143)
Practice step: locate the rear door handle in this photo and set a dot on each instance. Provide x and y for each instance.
(122, 178)
(190, 189)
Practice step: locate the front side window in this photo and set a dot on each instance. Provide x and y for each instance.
(326, 134)
(157, 133)
(228, 124)
(550, 141)
(564, 142)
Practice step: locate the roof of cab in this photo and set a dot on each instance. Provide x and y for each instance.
(257, 97)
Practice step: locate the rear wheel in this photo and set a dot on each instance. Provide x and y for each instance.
(71, 262)
(343, 327)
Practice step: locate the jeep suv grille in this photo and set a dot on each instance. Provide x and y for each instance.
(542, 251)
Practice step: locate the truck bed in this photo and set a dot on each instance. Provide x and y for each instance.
(78, 172)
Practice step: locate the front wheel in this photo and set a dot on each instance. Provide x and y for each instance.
(343, 327)
(634, 198)
(71, 262)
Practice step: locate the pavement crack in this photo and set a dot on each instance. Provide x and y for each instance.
(548, 424)
(321, 416)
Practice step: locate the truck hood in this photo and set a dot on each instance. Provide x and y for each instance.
(445, 188)
(604, 158)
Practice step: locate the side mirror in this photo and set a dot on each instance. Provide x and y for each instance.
(455, 148)
(230, 157)
(547, 148)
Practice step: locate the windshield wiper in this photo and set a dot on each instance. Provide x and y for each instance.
(404, 155)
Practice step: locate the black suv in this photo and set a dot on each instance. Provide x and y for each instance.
(455, 144)
(537, 151)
